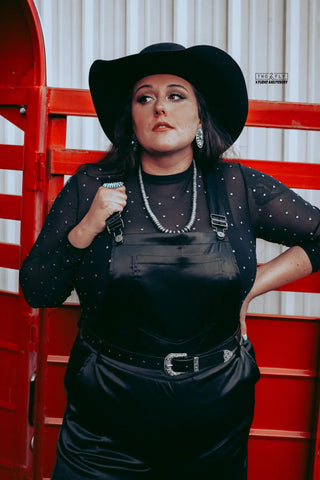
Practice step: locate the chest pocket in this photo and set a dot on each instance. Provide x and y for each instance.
(180, 291)
(174, 286)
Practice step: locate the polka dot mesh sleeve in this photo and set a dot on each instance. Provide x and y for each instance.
(280, 215)
(46, 276)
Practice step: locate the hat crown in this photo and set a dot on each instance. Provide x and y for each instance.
(162, 47)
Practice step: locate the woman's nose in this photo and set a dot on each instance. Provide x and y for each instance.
(160, 108)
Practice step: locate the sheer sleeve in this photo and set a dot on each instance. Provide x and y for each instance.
(280, 215)
(47, 273)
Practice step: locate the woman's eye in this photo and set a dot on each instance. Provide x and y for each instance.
(176, 96)
(143, 99)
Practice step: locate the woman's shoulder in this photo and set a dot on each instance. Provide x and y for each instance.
(260, 185)
(249, 174)
(95, 172)
(243, 177)
(230, 169)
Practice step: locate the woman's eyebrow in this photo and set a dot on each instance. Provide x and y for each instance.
(143, 86)
(170, 85)
(178, 85)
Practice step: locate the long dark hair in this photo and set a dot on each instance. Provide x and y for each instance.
(123, 158)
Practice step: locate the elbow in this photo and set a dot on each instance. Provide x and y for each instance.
(33, 304)
(41, 301)
(33, 299)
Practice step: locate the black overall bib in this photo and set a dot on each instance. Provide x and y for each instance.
(133, 412)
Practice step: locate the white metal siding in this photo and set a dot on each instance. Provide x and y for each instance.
(262, 35)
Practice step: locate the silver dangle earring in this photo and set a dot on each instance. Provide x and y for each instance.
(134, 143)
(199, 138)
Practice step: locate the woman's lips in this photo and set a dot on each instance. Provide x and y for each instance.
(161, 127)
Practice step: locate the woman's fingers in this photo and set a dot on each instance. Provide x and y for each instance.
(111, 200)
(106, 202)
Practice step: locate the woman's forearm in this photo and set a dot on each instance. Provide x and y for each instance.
(81, 236)
(291, 265)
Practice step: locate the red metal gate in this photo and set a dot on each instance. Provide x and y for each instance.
(285, 437)
(23, 103)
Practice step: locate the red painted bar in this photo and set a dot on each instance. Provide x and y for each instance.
(10, 207)
(11, 156)
(9, 255)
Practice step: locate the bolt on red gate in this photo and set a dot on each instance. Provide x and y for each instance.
(35, 344)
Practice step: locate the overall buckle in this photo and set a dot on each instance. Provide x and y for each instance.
(114, 226)
(219, 224)
(167, 364)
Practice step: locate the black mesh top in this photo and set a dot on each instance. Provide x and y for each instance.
(255, 204)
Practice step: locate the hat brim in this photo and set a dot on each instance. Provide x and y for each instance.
(210, 70)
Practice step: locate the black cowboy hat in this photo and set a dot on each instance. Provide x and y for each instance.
(210, 70)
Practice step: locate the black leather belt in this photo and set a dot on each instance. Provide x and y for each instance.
(174, 363)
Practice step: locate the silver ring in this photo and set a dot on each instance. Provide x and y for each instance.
(113, 185)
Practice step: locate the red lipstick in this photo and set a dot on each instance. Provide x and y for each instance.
(161, 127)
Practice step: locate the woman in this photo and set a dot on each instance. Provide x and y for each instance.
(160, 382)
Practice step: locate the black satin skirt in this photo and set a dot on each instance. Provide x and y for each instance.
(128, 422)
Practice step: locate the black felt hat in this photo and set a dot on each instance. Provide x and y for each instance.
(210, 70)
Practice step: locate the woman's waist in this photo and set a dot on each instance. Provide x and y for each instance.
(144, 338)
(173, 359)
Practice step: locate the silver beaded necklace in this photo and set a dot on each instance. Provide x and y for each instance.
(155, 220)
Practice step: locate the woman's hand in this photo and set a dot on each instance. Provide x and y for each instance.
(106, 202)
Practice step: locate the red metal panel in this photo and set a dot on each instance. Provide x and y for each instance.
(13, 96)
(300, 116)
(271, 332)
(15, 115)
(281, 459)
(288, 350)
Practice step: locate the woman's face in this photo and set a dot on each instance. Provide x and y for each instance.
(165, 114)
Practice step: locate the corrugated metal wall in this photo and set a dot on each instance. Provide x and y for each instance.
(264, 36)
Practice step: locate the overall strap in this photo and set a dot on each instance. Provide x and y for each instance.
(114, 224)
(218, 218)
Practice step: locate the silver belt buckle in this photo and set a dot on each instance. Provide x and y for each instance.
(168, 363)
